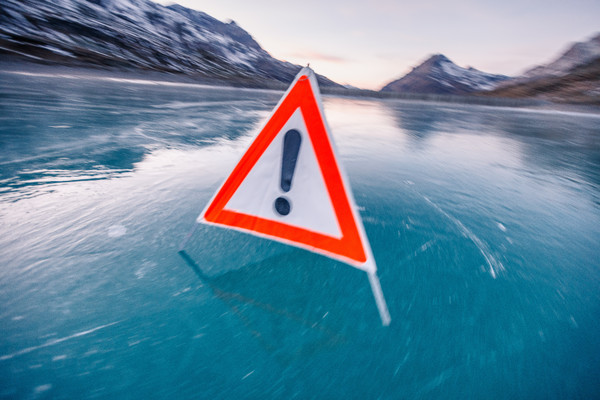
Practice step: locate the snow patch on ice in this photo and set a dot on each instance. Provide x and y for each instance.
(143, 270)
(116, 231)
(42, 388)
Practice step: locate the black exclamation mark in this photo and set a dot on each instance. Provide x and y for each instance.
(291, 147)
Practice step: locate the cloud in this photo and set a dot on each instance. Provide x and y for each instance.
(317, 56)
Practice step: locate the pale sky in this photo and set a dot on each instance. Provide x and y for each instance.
(369, 43)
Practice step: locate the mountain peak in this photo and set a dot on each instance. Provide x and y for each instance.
(437, 58)
(439, 75)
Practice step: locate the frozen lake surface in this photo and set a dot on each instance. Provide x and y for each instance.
(485, 224)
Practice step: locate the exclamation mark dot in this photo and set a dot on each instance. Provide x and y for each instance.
(291, 147)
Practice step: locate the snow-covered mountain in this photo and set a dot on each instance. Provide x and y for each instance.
(137, 35)
(578, 54)
(573, 77)
(439, 75)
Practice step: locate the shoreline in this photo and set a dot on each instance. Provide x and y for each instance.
(84, 72)
(163, 78)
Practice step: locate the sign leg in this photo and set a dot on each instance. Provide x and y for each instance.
(379, 299)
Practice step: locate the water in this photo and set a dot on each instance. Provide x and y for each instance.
(484, 222)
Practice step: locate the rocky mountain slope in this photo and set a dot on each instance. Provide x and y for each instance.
(577, 55)
(573, 77)
(439, 75)
(137, 35)
(580, 85)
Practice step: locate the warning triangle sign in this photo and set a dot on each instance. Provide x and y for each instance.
(289, 185)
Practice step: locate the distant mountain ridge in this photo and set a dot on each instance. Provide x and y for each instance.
(573, 77)
(439, 75)
(576, 55)
(138, 35)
